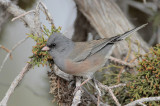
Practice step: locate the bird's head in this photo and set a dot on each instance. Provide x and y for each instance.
(57, 44)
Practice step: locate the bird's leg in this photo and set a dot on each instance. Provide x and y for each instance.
(99, 92)
(77, 88)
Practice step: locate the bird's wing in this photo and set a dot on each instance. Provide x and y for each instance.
(86, 49)
(80, 51)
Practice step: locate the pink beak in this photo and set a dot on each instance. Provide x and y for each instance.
(45, 48)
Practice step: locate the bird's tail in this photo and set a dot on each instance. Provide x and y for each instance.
(126, 34)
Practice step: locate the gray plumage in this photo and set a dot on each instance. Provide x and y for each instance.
(69, 55)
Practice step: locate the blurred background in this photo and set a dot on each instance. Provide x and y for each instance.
(34, 88)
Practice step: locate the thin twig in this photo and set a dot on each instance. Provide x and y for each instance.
(121, 62)
(37, 19)
(16, 11)
(143, 100)
(4, 48)
(110, 87)
(48, 15)
(116, 86)
(14, 84)
(110, 92)
(78, 94)
(30, 22)
(126, 59)
(142, 104)
(7, 50)
(22, 15)
(141, 6)
(99, 92)
(9, 53)
(94, 99)
(114, 97)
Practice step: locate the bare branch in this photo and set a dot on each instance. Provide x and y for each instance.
(126, 59)
(27, 19)
(110, 92)
(142, 104)
(4, 48)
(35, 26)
(141, 6)
(9, 53)
(14, 84)
(22, 15)
(78, 94)
(48, 15)
(90, 95)
(99, 93)
(37, 19)
(143, 100)
(116, 86)
(114, 97)
(121, 62)
(61, 74)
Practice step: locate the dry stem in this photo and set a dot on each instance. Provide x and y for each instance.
(9, 53)
(126, 59)
(121, 62)
(78, 94)
(4, 48)
(14, 84)
(110, 92)
(22, 15)
(48, 15)
(143, 100)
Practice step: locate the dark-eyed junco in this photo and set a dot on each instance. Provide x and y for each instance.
(82, 58)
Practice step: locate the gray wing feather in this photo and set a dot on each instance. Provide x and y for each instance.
(82, 56)
(97, 45)
(92, 47)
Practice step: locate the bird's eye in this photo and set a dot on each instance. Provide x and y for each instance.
(53, 45)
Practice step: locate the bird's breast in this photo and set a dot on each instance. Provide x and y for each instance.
(84, 67)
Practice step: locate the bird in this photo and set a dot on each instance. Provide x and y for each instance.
(82, 58)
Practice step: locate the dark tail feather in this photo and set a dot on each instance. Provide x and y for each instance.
(126, 34)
